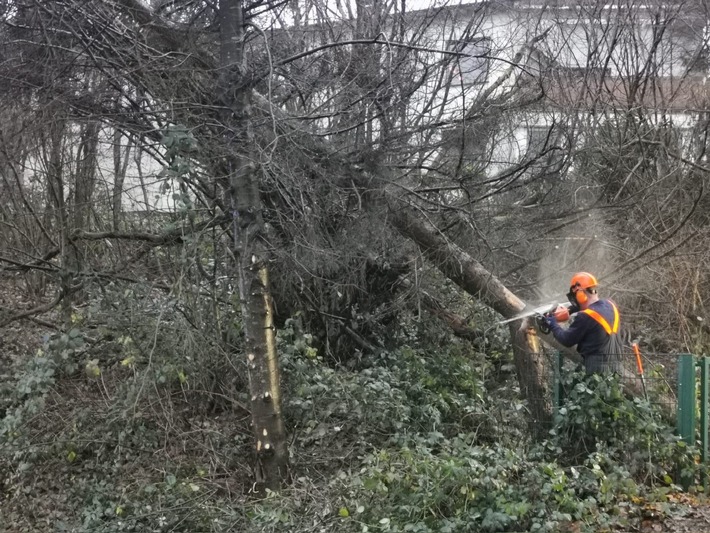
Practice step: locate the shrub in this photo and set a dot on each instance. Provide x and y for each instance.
(598, 417)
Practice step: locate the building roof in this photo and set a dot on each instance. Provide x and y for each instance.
(593, 91)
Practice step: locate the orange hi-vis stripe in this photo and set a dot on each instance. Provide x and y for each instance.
(602, 321)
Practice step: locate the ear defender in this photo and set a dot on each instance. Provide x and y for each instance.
(582, 285)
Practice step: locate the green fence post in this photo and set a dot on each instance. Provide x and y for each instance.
(686, 406)
(704, 370)
(686, 398)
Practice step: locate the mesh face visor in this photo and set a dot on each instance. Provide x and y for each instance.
(571, 297)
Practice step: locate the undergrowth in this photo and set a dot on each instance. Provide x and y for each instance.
(143, 426)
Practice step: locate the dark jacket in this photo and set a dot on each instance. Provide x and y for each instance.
(601, 351)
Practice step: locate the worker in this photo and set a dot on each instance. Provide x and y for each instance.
(594, 329)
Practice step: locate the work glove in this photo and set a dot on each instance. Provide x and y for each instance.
(550, 321)
(543, 323)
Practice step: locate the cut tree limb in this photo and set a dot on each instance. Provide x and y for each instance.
(455, 263)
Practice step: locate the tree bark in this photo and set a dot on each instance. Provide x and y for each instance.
(120, 165)
(56, 200)
(272, 464)
(533, 371)
(84, 185)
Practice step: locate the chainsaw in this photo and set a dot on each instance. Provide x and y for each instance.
(561, 312)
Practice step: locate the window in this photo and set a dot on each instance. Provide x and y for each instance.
(539, 138)
(472, 64)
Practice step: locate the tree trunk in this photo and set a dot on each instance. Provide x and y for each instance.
(84, 185)
(120, 165)
(272, 465)
(56, 200)
(533, 371)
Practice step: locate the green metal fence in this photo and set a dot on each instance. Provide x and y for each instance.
(693, 399)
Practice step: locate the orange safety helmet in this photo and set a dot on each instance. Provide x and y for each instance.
(580, 284)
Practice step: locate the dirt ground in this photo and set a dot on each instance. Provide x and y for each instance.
(686, 518)
(696, 521)
(683, 513)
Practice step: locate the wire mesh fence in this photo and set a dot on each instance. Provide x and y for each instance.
(655, 379)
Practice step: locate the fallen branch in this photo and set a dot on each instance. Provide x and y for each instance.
(175, 236)
(29, 314)
(37, 264)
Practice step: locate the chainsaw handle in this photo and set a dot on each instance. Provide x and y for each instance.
(561, 313)
(541, 323)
